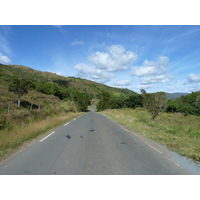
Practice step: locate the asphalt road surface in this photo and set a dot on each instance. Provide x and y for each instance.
(91, 144)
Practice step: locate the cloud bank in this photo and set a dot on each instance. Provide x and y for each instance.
(152, 72)
(93, 73)
(105, 64)
(122, 83)
(115, 59)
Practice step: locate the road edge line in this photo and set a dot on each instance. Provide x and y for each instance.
(47, 136)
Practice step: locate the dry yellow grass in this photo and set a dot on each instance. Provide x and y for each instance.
(178, 132)
(10, 140)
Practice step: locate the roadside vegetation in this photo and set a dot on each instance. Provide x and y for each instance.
(31, 98)
(178, 132)
(155, 103)
(30, 105)
(32, 102)
(34, 114)
(174, 123)
(11, 139)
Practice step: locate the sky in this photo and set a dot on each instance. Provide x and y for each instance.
(154, 58)
(151, 57)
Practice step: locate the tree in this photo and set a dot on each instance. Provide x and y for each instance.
(154, 102)
(172, 106)
(47, 88)
(134, 101)
(105, 100)
(83, 100)
(20, 87)
(117, 101)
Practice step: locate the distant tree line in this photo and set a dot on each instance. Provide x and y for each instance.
(154, 103)
(108, 101)
(189, 104)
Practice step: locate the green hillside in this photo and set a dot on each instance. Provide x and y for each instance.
(28, 95)
(31, 98)
(82, 85)
(48, 86)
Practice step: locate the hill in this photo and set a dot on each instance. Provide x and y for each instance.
(47, 86)
(175, 95)
(80, 84)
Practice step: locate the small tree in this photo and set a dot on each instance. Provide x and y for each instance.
(20, 87)
(154, 103)
(105, 100)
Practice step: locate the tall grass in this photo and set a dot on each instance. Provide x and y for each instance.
(21, 116)
(178, 132)
(22, 124)
(11, 139)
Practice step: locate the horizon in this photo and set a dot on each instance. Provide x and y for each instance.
(151, 57)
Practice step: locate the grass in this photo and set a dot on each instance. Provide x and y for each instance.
(178, 132)
(11, 140)
(38, 114)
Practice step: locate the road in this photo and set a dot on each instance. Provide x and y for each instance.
(91, 144)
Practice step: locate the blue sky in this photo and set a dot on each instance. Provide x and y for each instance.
(154, 58)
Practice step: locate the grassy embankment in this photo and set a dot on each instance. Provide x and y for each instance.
(21, 125)
(12, 139)
(178, 132)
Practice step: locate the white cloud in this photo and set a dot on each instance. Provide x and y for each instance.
(145, 86)
(193, 78)
(193, 82)
(163, 78)
(115, 59)
(93, 73)
(76, 42)
(122, 83)
(152, 72)
(150, 68)
(4, 59)
(104, 64)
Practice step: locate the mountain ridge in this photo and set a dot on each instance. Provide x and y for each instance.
(175, 95)
(83, 85)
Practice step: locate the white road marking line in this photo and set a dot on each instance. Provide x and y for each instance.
(47, 136)
(155, 149)
(173, 162)
(74, 119)
(123, 128)
(66, 124)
